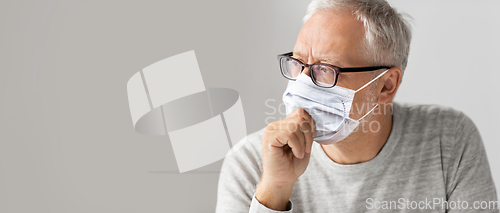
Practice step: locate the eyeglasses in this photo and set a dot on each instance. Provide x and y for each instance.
(323, 75)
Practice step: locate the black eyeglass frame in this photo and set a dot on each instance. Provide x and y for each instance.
(337, 70)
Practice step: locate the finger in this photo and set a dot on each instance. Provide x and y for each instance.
(297, 113)
(308, 135)
(281, 130)
(293, 141)
(303, 113)
(301, 136)
(297, 149)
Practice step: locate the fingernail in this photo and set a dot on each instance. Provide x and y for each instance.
(308, 149)
(301, 155)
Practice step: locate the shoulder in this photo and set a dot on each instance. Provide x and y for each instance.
(434, 119)
(451, 132)
(445, 130)
(240, 173)
(458, 144)
(245, 158)
(423, 112)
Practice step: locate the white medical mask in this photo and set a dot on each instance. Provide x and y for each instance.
(329, 107)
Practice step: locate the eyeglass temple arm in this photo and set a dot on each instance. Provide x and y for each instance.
(363, 69)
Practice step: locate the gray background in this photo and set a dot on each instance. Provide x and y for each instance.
(67, 142)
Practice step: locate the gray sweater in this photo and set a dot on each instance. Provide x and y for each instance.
(433, 161)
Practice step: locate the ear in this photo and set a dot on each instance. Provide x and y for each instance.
(391, 81)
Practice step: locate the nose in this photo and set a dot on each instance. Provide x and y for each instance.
(307, 71)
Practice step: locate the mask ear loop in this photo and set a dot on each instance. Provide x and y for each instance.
(381, 74)
(371, 110)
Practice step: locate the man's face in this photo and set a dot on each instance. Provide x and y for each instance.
(337, 39)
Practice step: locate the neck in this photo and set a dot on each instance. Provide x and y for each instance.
(362, 146)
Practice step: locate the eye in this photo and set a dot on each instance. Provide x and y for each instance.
(292, 62)
(326, 69)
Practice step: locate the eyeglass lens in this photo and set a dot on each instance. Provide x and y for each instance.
(321, 74)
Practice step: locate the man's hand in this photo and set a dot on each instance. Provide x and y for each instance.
(286, 148)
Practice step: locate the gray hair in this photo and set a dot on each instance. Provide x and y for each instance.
(387, 32)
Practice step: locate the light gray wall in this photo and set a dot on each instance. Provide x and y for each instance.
(67, 142)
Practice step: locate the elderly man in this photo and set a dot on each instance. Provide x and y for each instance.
(344, 145)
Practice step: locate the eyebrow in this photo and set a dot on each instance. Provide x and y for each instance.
(319, 58)
(297, 54)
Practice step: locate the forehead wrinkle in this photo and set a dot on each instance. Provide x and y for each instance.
(297, 51)
(324, 43)
(321, 58)
(316, 45)
(333, 37)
